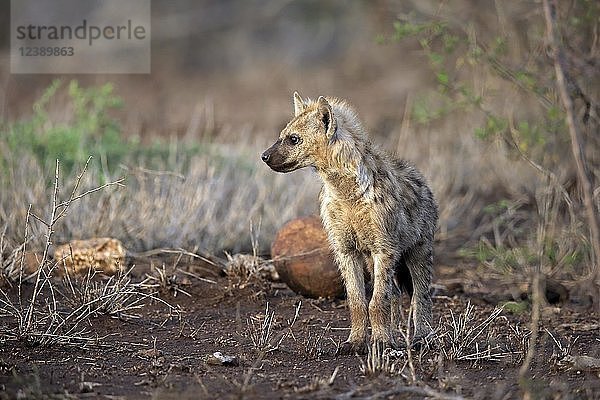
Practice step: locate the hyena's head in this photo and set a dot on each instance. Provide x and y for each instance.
(303, 141)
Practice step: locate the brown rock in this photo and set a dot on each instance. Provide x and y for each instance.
(303, 259)
(104, 255)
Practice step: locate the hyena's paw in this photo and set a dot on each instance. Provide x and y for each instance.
(350, 348)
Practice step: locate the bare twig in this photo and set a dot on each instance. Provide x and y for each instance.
(177, 251)
(74, 196)
(49, 233)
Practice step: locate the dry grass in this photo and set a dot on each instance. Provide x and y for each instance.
(263, 334)
(165, 281)
(469, 337)
(40, 317)
(116, 296)
(382, 361)
(317, 344)
(206, 205)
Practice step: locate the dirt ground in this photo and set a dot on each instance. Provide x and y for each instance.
(166, 354)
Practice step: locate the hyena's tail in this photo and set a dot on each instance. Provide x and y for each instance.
(403, 277)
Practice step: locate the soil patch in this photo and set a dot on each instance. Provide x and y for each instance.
(161, 353)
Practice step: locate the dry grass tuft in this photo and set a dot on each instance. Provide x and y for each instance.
(381, 361)
(167, 280)
(244, 269)
(262, 333)
(475, 338)
(314, 344)
(116, 296)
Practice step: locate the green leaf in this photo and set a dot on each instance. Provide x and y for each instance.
(442, 78)
(554, 114)
(450, 42)
(481, 133)
(436, 59)
(516, 307)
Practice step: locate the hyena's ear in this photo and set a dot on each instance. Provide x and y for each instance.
(326, 116)
(299, 105)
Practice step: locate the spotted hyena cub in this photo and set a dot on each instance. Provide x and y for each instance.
(379, 214)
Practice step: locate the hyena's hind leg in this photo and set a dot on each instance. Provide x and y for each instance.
(352, 269)
(419, 260)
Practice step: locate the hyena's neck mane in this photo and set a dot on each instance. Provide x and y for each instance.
(347, 170)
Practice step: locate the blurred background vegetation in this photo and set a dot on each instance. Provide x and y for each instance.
(463, 88)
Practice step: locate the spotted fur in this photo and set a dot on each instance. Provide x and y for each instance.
(378, 211)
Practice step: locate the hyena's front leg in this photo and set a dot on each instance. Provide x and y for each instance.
(352, 270)
(380, 306)
(420, 263)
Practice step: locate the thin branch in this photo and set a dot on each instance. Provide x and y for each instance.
(22, 258)
(39, 219)
(49, 233)
(66, 204)
(77, 182)
(176, 251)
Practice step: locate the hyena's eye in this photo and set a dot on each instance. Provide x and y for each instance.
(294, 139)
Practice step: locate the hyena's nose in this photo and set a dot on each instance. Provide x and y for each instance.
(265, 156)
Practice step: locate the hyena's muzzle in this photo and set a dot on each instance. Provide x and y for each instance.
(277, 158)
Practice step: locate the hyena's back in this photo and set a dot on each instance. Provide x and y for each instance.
(420, 208)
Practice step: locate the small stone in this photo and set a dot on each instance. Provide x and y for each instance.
(87, 387)
(150, 353)
(217, 358)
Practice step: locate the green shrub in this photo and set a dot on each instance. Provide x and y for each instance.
(88, 129)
